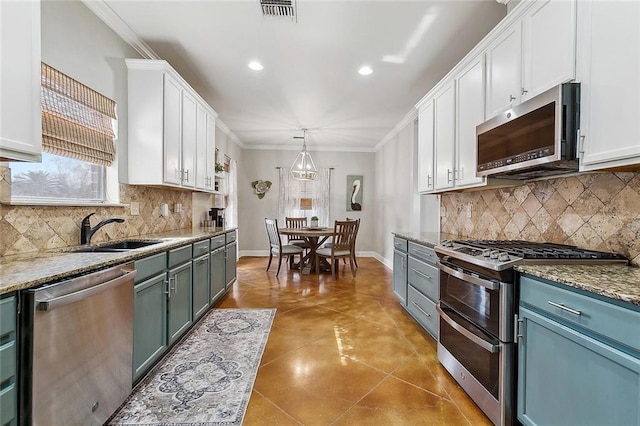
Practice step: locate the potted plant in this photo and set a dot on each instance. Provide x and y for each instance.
(219, 168)
(314, 221)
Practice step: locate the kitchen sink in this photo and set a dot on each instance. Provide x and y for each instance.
(117, 247)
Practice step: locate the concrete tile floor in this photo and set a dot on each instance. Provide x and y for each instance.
(344, 352)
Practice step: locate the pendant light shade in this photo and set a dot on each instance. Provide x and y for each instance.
(303, 167)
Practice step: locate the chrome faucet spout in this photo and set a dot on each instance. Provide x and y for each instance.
(86, 231)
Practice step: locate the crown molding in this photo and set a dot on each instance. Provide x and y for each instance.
(115, 22)
(312, 150)
(408, 118)
(227, 131)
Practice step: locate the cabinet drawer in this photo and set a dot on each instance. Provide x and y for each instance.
(217, 241)
(179, 255)
(230, 237)
(149, 266)
(424, 253)
(7, 315)
(607, 319)
(8, 404)
(7, 360)
(200, 248)
(423, 310)
(399, 243)
(424, 278)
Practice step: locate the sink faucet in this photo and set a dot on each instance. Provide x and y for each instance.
(86, 231)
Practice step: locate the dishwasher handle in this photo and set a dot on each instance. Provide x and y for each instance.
(56, 302)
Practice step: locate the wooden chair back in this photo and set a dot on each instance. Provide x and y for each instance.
(273, 233)
(344, 235)
(295, 223)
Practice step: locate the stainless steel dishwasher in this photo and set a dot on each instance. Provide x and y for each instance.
(76, 348)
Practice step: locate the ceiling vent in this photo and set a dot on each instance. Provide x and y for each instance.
(285, 8)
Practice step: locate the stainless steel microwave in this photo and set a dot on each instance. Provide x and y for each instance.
(534, 139)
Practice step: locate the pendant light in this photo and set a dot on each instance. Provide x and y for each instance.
(303, 168)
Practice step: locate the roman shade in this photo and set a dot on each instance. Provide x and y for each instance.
(77, 121)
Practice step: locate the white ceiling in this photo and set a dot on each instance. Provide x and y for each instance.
(310, 77)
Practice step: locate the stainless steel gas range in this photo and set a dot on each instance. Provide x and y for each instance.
(478, 304)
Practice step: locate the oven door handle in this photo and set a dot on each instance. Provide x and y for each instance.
(491, 285)
(466, 333)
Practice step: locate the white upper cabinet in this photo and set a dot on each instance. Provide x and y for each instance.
(469, 113)
(425, 147)
(548, 43)
(444, 139)
(169, 139)
(20, 116)
(609, 70)
(532, 54)
(504, 70)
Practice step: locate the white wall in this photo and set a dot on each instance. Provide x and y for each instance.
(261, 164)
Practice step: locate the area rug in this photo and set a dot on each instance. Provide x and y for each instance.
(207, 378)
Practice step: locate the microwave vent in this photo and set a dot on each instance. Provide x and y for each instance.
(278, 8)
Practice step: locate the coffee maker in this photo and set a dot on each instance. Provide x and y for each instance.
(217, 215)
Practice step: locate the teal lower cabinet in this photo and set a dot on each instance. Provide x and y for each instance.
(150, 323)
(8, 372)
(179, 311)
(217, 274)
(200, 285)
(572, 369)
(231, 259)
(400, 269)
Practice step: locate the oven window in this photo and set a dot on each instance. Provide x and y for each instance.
(482, 364)
(478, 304)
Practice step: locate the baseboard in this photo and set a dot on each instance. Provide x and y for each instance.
(265, 253)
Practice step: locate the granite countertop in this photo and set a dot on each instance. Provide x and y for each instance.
(27, 270)
(617, 282)
(429, 239)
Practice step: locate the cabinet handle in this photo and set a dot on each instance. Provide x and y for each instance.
(449, 174)
(187, 173)
(512, 98)
(422, 274)
(517, 336)
(564, 308)
(420, 309)
(429, 180)
(168, 292)
(524, 91)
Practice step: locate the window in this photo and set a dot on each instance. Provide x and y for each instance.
(300, 198)
(78, 140)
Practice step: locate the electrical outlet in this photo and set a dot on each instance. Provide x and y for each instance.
(164, 210)
(468, 211)
(134, 208)
(178, 208)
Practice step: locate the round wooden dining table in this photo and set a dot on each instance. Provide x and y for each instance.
(315, 237)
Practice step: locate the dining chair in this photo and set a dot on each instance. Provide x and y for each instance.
(276, 247)
(344, 259)
(296, 240)
(342, 246)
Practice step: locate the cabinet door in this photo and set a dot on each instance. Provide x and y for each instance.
(200, 285)
(201, 172)
(400, 275)
(470, 113)
(425, 148)
(548, 44)
(149, 323)
(211, 151)
(445, 125)
(217, 274)
(504, 65)
(180, 293)
(609, 41)
(189, 132)
(568, 378)
(230, 267)
(172, 131)
(20, 116)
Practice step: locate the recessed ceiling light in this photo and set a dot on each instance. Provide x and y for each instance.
(255, 65)
(365, 70)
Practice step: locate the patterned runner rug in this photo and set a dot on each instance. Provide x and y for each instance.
(207, 379)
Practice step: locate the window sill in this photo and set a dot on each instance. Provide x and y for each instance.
(62, 204)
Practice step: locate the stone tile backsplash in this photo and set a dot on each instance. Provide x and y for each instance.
(25, 229)
(597, 210)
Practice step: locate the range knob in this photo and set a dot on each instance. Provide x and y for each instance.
(503, 257)
(493, 254)
(486, 252)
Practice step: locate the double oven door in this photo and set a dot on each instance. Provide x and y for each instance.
(475, 343)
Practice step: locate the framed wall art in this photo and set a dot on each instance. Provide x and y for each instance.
(354, 193)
